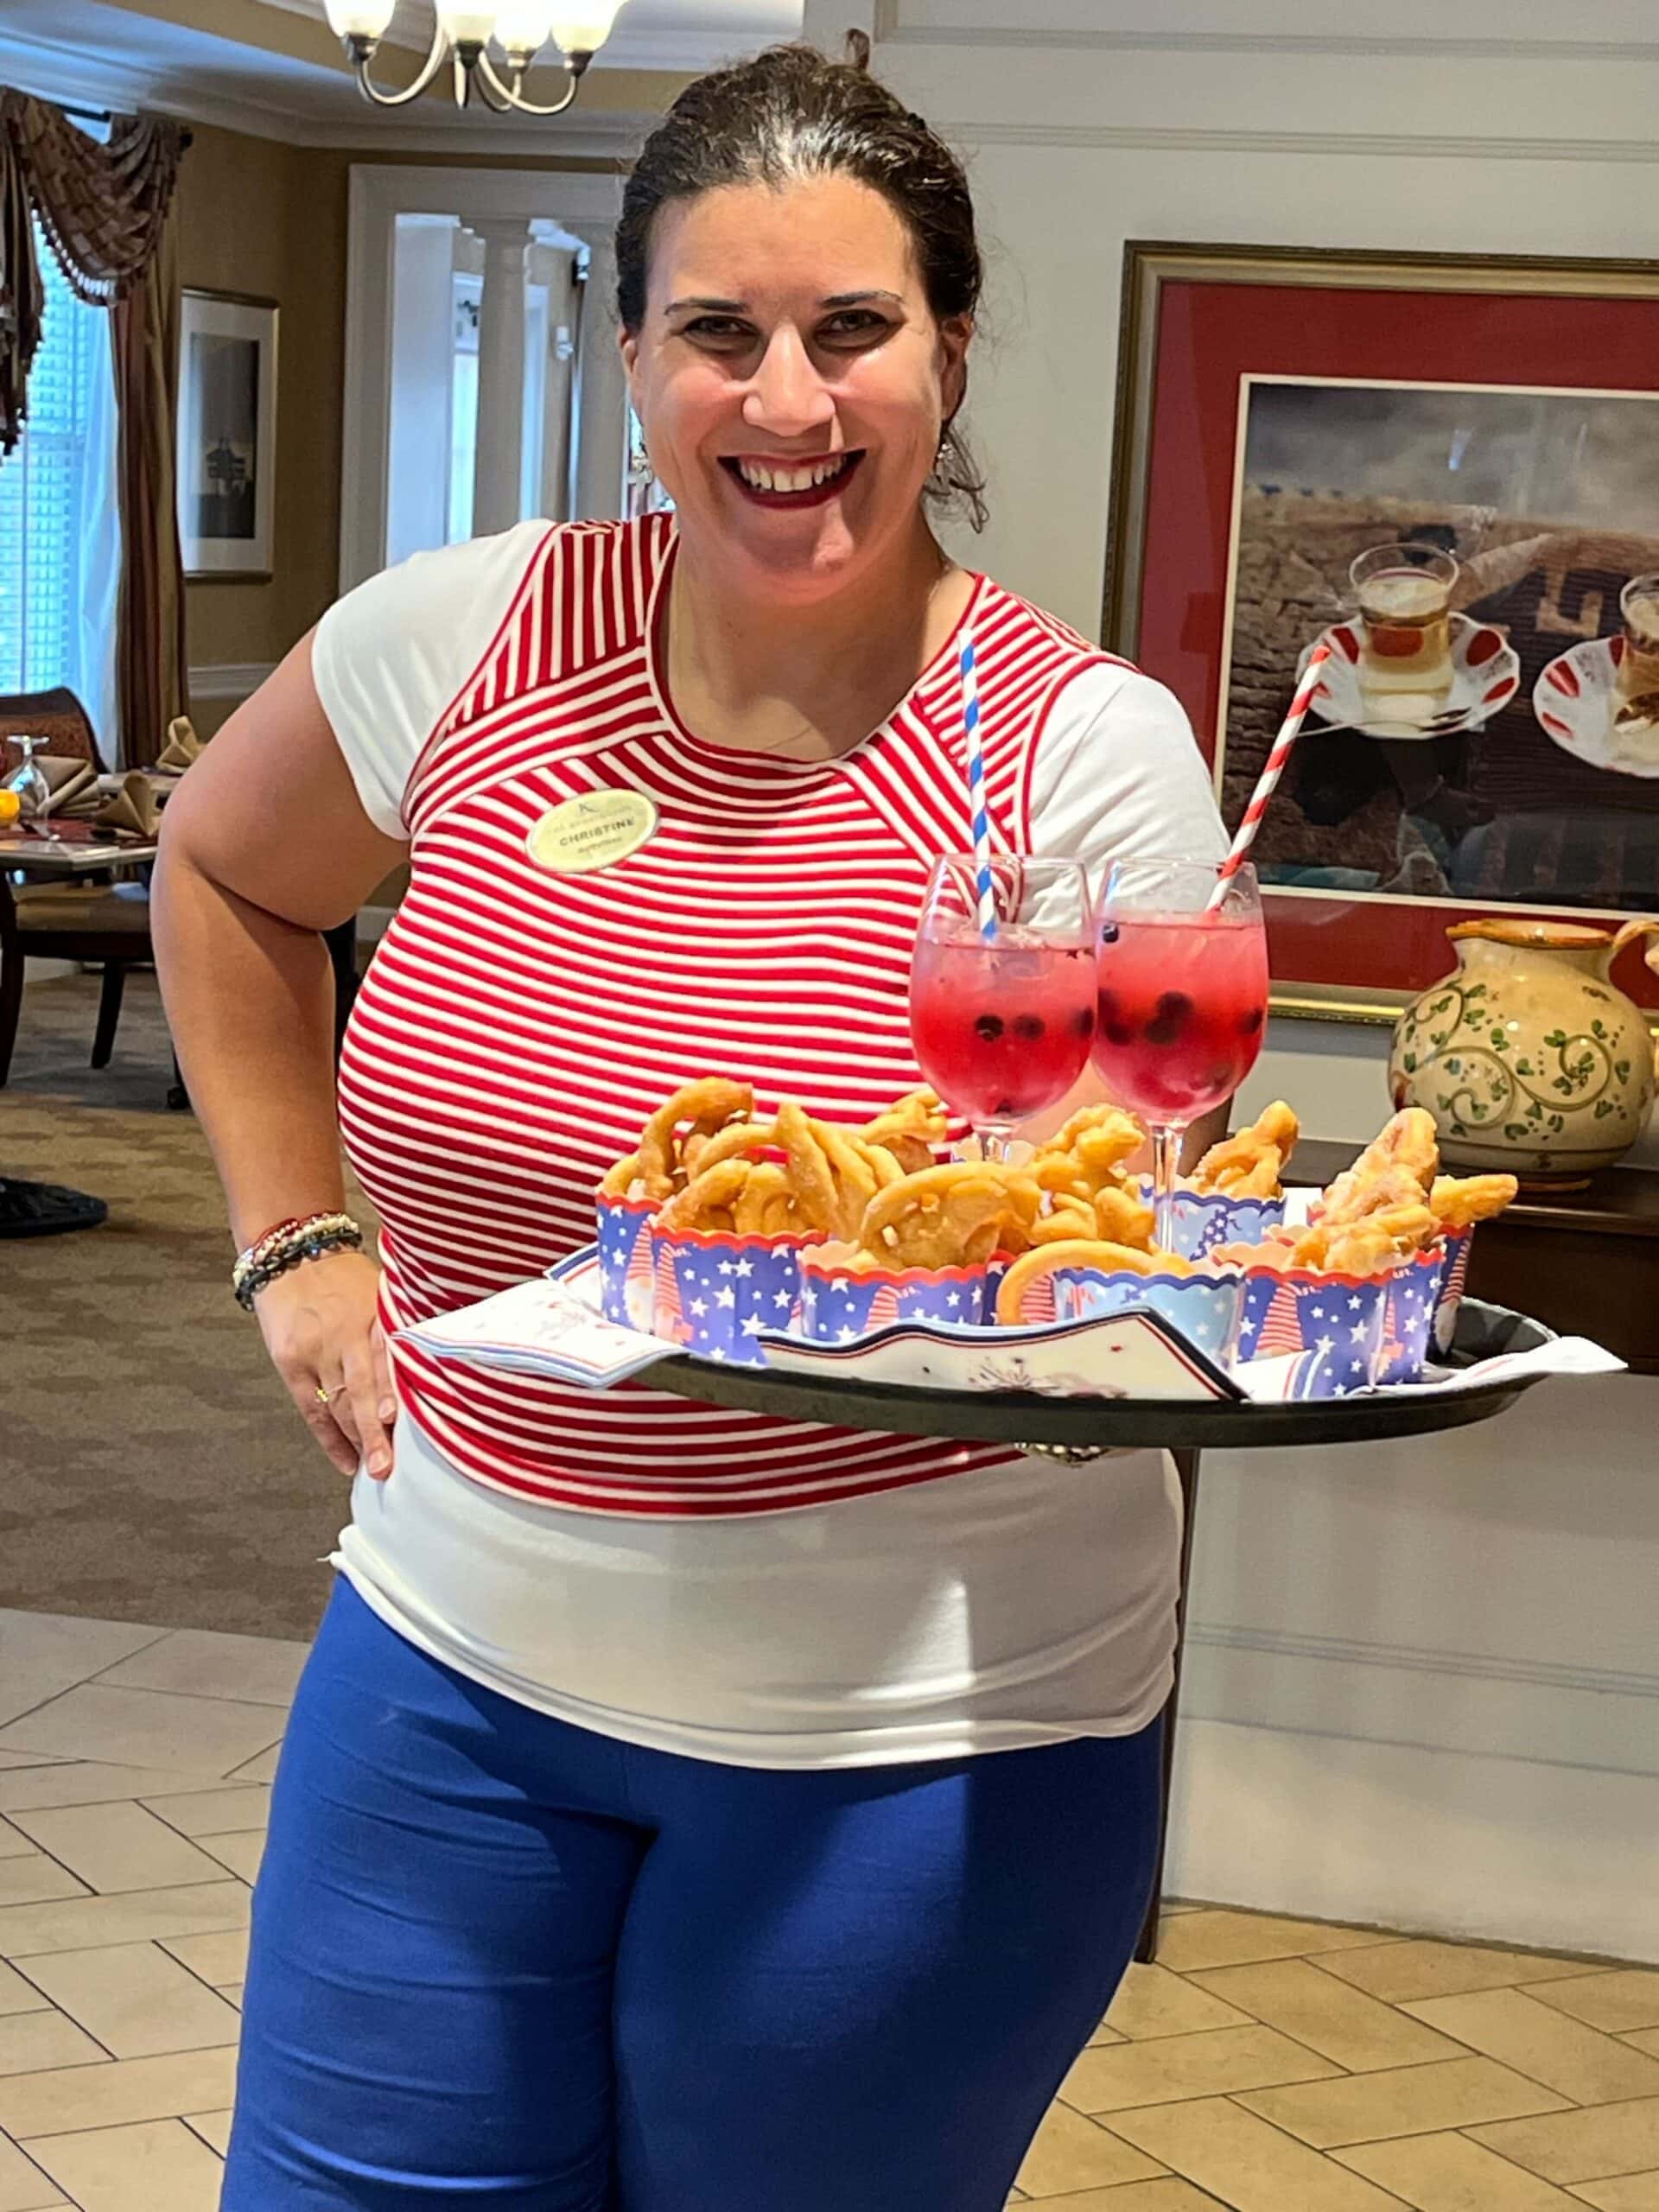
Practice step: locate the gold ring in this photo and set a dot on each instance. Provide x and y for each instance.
(327, 1397)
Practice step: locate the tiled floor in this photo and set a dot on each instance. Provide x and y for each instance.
(1265, 2065)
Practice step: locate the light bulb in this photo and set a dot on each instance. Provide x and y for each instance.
(358, 18)
(583, 26)
(465, 22)
(523, 25)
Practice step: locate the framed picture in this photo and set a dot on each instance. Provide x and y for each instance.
(227, 435)
(1448, 469)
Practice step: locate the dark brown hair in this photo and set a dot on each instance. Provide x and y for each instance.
(793, 112)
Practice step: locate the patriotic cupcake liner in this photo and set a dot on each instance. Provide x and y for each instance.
(713, 1293)
(1337, 1322)
(1408, 1317)
(1203, 1309)
(624, 1264)
(1207, 1219)
(839, 1303)
(1454, 1276)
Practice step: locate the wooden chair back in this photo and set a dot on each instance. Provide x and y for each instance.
(57, 716)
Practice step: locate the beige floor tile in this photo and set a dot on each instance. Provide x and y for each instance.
(115, 1847)
(159, 2166)
(1173, 2195)
(41, 1655)
(1616, 2002)
(262, 1768)
(1574, 2146)
(136, 1999)
(231, 1993)
(241, 1853)
(261, 1670)
(1153, 2001)
(1103, 2036)
(1512, 2026)
(1643, 2039)
(17, 1995)
(214, 2127)
(139, 1916)
(1213, 2064)
(1400, 1973)
(1405, 2100)
(36, 1879)
(1071, 2153)
(1630, 2193)
(1448, 2173)
(33, 2042)
(23, 2187)
(1339, 2022)
(1225, 1939)
(90, 1782)
(214, 1959)
(19, 1758)
(146, 1728)
(118, 2092)
(215, 1812)
(13, 1843)
(1250, 2166)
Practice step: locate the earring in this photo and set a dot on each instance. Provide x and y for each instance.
(939, 480)
(640, 471)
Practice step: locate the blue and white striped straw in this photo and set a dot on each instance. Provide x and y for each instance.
(984, 885)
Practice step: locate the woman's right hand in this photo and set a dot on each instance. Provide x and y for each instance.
(320, 1327)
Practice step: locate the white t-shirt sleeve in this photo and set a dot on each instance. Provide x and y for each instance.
(389, 658)
(1118, 772)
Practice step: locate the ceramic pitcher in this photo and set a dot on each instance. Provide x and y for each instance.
(1527, 1055)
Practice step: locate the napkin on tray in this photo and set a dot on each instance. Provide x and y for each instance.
(183, 746)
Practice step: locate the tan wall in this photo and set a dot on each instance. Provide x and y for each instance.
(270, 220)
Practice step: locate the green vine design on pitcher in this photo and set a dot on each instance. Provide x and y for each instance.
(1492, 1079)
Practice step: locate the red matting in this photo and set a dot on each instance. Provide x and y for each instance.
(1209, 336)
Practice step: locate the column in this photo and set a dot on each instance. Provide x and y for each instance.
(557, 270)
(422, 349)
(499, 463)
(601, 388)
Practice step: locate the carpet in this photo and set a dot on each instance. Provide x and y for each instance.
(153, 1468)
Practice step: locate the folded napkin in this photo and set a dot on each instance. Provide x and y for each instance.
(69, 780)
(133, 807)
(182, 745)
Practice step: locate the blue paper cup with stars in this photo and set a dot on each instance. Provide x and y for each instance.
(1336, 1321)
(1448, 1298)
(625, 1265)
(1409, 1319)
(714, 1292)
(1203, 1309)
(1206, 1220)
(845, 1295)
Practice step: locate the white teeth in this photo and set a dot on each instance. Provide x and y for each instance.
(791, 479)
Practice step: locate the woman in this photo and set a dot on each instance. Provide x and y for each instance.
(682, 1811)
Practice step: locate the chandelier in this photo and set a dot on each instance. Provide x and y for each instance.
(463, 34)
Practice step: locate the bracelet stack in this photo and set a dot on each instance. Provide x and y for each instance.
(285, 1246)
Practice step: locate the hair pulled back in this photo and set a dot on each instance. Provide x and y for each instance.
(791, 113)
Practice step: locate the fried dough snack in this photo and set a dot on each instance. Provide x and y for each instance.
(910, 1131)
(1407, 1143)
(663, 1160)
(953, 1217)
(822, 1184)
(1458, 1204)
(1249, 1165)
(1080, 1252)
(1087, 1157)
(1367, 1246)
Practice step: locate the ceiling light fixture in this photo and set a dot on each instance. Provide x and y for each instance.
(463, 34)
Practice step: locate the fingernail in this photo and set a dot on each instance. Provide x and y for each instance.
(388, 1409)
(379, 1464)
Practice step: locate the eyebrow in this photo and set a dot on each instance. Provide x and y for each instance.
(741, 307)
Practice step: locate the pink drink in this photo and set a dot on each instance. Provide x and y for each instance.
(1000, 1030)
(1183, 1005)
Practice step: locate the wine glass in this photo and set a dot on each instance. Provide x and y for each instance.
(34, 792)
(1183, 1001)
(1002, 1022)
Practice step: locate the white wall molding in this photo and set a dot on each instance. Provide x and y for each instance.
(1367, 145)
(229, 679)
(1025, 40)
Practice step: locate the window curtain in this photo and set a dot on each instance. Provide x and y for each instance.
(104, 208)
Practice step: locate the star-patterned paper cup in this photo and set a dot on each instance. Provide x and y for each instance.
(1207, 1219)
(714, 1292)
(1336, 1320)
(1449, 1297)
(1202, 1308)
(1408, 1317)
(840, 1301)
(625, 1270)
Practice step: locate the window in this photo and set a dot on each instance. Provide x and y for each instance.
(59, 543)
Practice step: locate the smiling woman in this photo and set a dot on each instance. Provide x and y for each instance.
(683, 1810)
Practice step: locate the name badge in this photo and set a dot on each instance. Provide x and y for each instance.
(586, 834)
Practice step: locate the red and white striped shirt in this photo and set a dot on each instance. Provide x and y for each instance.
(517, 1028)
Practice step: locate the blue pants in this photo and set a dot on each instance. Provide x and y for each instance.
(505, 1963)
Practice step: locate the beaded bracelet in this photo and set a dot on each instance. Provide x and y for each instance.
(285, 1246)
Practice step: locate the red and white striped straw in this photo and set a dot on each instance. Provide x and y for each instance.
(1283, 744)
